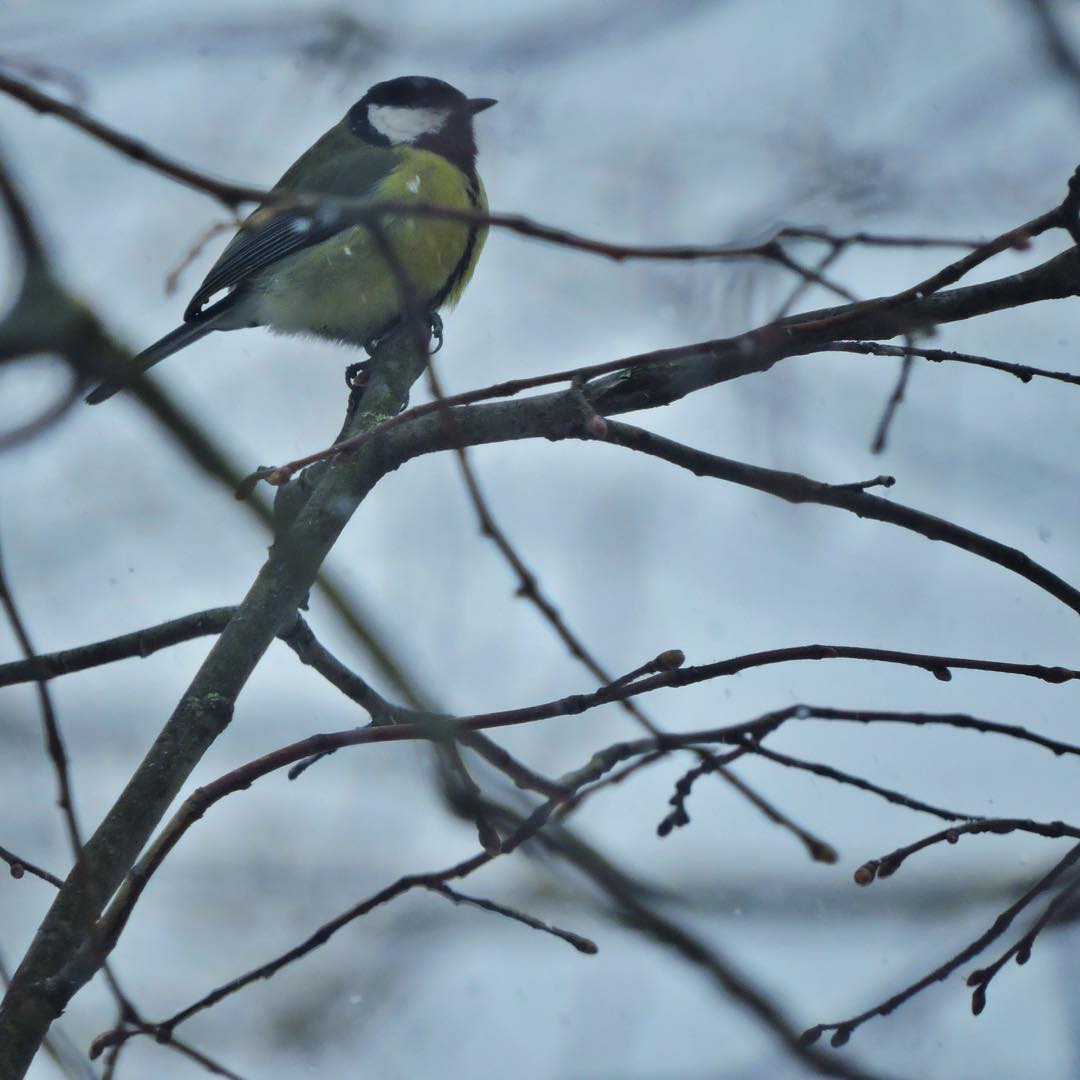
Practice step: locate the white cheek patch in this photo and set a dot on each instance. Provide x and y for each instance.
(403, 125)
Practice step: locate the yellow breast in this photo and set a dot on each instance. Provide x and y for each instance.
(342, 288)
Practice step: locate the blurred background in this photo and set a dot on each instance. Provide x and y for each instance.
(677, 121)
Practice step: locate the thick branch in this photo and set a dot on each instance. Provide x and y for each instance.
(35, 996)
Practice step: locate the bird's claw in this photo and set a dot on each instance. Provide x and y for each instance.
(435, 324)
(356, 375)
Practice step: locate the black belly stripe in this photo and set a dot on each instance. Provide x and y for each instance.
(437, 300)
(470, 246)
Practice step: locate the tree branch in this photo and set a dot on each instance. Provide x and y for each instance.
(140, 643)
(843, 1029)
(203, 712)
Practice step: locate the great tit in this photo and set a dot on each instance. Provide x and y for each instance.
(298, 271)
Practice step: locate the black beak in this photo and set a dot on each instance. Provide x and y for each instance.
(479, 104)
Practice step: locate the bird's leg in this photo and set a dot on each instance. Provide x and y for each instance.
(356, 375)
(356, 379)
(435, 326)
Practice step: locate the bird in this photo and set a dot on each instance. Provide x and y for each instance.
(301, 269)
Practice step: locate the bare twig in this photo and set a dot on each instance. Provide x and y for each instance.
(1063, 216)
(172, 278)
(234, 195)
(582, 944)
(1021, 949)
(615, 778)
(54, 740)
(833, 252)
(240, 779)
(615, 885)
(881, 435)
(770, 721)
(875, 869)
(679, 816)
(799, 489)
(19, 866)
(817, 849)
(140, 643)
(1024, 372)
(843, 1029)
(827, 771)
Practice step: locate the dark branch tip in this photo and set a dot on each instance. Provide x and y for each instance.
(823, 853)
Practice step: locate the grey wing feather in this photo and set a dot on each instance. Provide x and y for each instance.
(255, 248)
(338, 164)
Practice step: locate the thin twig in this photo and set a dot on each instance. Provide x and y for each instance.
(172, 278)
(817, 849)
(875, 869)
(240, 779)
(799, 489)
(771, 721)
(582, 944)
(1021, 949)
(363, 211)
(843, 1029)
(20, 866)
(54, 740)
(827, 771)
(896, 398)
(1024, 372)
(656, 926)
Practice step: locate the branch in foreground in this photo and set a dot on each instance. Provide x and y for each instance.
(140, 643)
(827, 771)
(582, 944)
(817, 849)
(199, 802)
(54, 746)
(917, 719)
(895, 400)
(613, 883)
(799, 489)
(1021, 950)
(887, 865)
(201, 715)
(20, 866)
(1024, 372)
(843, 1029)
(440, 729)
(356, 211)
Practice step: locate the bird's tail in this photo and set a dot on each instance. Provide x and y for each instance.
(172, 342)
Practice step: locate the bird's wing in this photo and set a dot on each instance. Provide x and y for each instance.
(338, 164)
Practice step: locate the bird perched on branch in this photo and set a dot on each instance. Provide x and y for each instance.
(310, 268)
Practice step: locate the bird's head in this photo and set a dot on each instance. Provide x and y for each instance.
(415, 110)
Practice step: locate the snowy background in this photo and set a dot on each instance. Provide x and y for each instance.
(653, 122)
